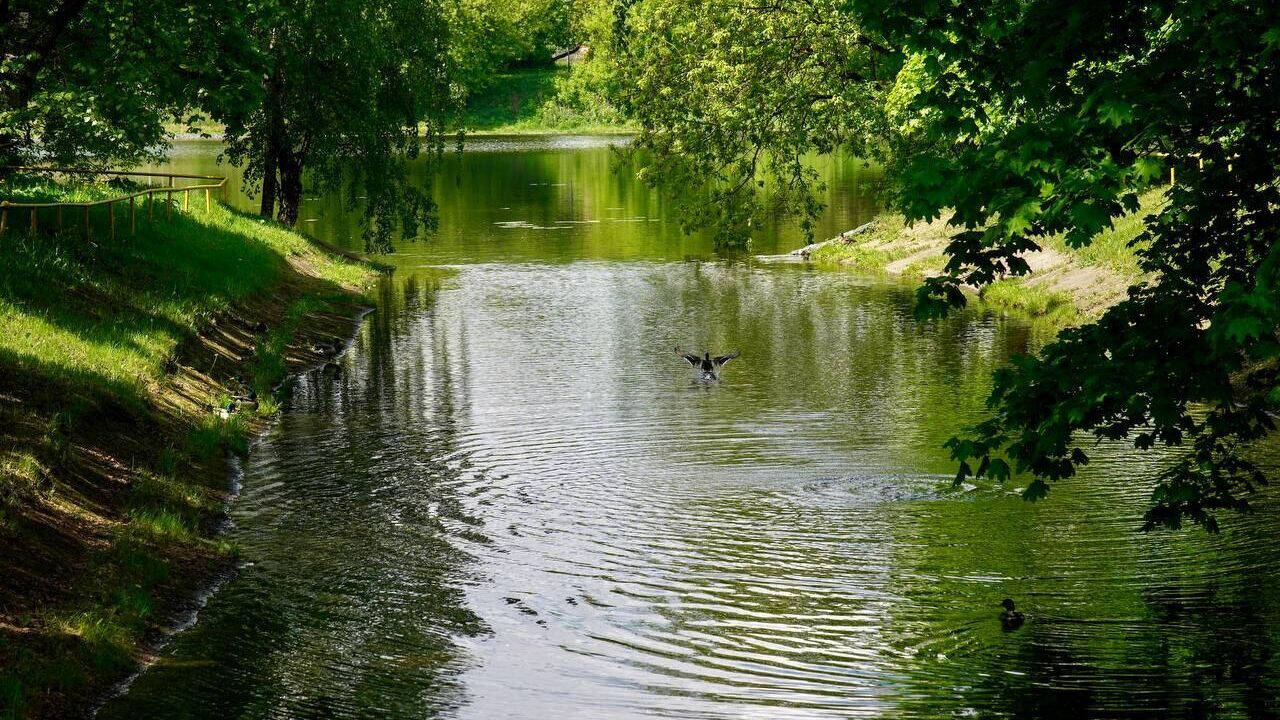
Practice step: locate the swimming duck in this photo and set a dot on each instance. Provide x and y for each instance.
(708, 366)
(1011, 619)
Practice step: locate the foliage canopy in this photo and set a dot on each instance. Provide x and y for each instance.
(330, 93)
(93, 82)
(1019, 120)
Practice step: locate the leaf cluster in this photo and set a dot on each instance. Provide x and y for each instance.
(94, 82)
(1019, 121)
(733, 95)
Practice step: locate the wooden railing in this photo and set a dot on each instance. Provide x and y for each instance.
(168, 189)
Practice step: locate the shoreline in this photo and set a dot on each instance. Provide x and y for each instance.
(185, 615)
(1065, 287)
(487, 134)
(114, 486)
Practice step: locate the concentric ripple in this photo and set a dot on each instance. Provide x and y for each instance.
(516, 502)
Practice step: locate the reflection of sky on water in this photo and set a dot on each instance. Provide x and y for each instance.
(515, 502)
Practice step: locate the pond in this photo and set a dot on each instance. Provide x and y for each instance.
(515, 501)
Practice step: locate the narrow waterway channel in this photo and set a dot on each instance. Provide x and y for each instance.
(514, 501)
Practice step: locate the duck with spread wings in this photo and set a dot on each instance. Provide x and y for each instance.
(708, 367)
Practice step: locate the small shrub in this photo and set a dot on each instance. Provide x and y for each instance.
(158, 523)
(22, 479)
(215, 435)
(106, 639)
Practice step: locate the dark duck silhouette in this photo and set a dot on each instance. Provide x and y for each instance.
(1011, 619)
(708, 367)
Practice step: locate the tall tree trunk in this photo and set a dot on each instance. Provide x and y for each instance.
(267, 206)
(274, 146)
(290, 165)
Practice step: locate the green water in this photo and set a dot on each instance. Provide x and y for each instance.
(516, 502)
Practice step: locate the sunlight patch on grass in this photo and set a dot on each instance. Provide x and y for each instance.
(109, 313)
(856, 256)
(1033, 301)
(161, 523)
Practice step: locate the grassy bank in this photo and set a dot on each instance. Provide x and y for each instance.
(541, 101)
(534, 101)
(1067, 285)
(129, 369)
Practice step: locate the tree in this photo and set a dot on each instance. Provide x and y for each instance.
(730, 94)
(93, 82)
(347, 88)
(1021, 119)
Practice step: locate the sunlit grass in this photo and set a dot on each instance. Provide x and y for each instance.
(161, 524)
(215, 435)
(112, 311)
(90, 327)
(1112, 251)
(533, 101)
(1113, 247)
(1030, 300)
(39, 189)
(856, 256)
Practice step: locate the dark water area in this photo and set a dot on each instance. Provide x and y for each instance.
(516, 502)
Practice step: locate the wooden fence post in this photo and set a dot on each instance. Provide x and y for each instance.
(186, 201)
(206, 199)
(4, 216)
(87, 233)
(133, 216)
(168, 203)
(151, 206)
(111, 219)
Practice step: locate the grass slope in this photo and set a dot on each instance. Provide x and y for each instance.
(1067, 285)
(537, 101)
(118, 358)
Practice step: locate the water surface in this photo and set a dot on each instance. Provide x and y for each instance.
(515, 501)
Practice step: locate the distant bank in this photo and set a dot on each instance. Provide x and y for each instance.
(1066, 285)
(537, 101)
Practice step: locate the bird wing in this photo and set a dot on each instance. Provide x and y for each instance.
(722, 359)
(694, 360)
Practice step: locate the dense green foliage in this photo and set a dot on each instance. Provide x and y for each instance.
(324, 93)
(731, 95)
(346, 85)
(542, 100)
(1023, 121)
(94, 81)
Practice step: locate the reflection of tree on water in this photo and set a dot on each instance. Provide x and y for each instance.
(352, 600)
(890, 391)
(1220, 667)
(1120, 623)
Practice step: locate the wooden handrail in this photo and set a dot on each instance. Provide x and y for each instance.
(86, 171)
(113, 200)
(169, 190)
